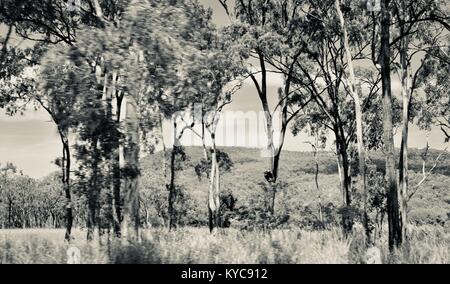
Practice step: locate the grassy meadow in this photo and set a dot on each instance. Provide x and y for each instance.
(196, 245)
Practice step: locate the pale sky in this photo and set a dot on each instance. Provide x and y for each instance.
(32, 143)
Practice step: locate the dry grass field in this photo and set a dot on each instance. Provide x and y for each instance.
(195, 245)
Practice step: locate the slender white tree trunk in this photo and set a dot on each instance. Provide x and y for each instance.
(403, 163)
(358, 114)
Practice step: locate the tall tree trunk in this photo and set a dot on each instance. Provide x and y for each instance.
(115, 159)
(172, 191)
(394, 216)
(171, 186)
(65, 165)
(214, 188)
(93, 195)
(275, 151)
(403, 161)
(359, 121)
(271, 174)
(116, 189)
(131, 220)
(108, 85)
(270, 151)
(346, 182)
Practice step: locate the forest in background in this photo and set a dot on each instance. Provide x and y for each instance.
(30, 203)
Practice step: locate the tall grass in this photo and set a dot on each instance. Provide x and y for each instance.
(196, 245)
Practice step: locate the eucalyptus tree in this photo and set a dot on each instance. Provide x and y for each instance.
(408, 30)
(352, 87)
(328, 74)
(55, 93)
(421, 27)
(120, 61)
(165, 43)
(310, 58)
(182, 61)
(104, 52)
(269, 33)
(46, 24)
(216, 75)
(21, 87)
(76, 83)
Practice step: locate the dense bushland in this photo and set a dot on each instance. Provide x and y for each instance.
(33, 203)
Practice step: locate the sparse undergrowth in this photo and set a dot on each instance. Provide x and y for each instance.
(428, 244)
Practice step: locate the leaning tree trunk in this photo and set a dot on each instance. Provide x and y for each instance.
(131, 221)
(394, 215)
(358, 115)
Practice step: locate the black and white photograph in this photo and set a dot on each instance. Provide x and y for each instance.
(224, 132)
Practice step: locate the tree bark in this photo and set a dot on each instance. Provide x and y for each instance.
(116, 189)
(271, 174)
(270, 152)
(65, 165)
(346, 182)
(214, 189)
(403, 161)
(117, 176)
(171, 186)
(394, 215)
